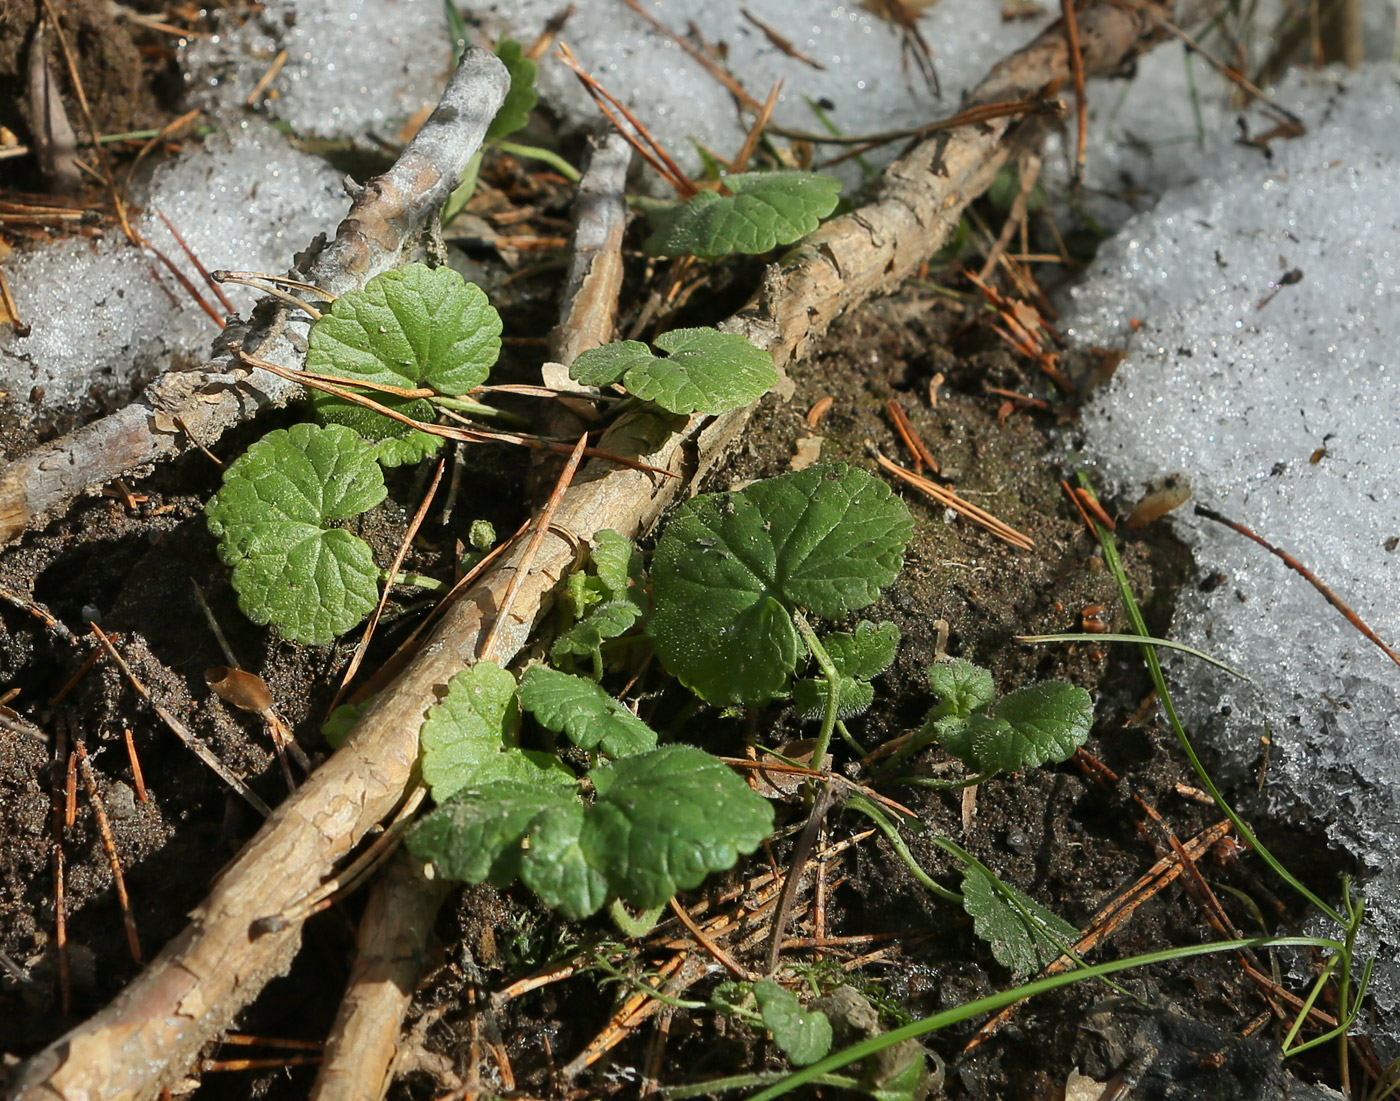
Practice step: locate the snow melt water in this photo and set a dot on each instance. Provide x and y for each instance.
(1265, 370)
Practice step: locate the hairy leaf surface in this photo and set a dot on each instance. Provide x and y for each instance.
(703, 371)
(731, 567)
(272, 519)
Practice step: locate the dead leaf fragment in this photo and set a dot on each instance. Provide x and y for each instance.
(1171, 492)
(239, 687)
(809, 450)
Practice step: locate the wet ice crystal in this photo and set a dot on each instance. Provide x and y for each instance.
(1281, 402)
(105, 314)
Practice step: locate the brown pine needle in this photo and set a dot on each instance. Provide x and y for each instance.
(104, 829)
(944, 496)
(194, 259)
(107, 176)
(181, 278)
(1079, 506)
(1311, 578)
(1112, 915)
(176, 727)
(399, 556)
(646, 146)
(11, 310)
(532, 548)
(267, 78)
(164, 132)
(755, 133)
(1094, 509)
(1076, 72)
(922, 456)
(257, 278)
(722, 957)
(707, 63)
(466, 435)
(782, 43)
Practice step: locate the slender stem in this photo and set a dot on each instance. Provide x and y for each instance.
(833, 687)
(944, 785)
(875, 814)
(534, 152)
(1154, 668)
(750, 1081)
(416, 580)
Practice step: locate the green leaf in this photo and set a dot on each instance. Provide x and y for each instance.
(272, 517)
(579, 708)
(866, 653)
(853, 697)
(764, 210)
(1039, 723)
(469, 739)
(1021, 943)
(522, 97)
(704, 371)
(617, 563)
(965, 688)
(556, 867)
(665, 820)
(857, 657)
(730, 568)
(413, 327)
(952, 733)
(803, 1035)
(338, 725)
(479, 833)
(604, 621)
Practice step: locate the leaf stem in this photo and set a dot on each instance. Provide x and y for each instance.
(534, 152)
(875, 814)
(416, 580)
(833, 687)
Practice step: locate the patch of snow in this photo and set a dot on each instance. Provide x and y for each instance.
(105, 315)
(1280, 401)
(868, 78)
(352, 65)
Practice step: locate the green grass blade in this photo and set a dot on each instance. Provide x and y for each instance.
(1165, 642)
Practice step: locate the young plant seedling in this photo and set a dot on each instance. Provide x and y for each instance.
(414, 328)
(660, 819)
(762, 211)
(858, 658)
(1024, 729)
(602, 604)
(272, 519)
(703, 371)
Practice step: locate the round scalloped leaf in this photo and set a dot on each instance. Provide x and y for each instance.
(581, 709)
(556, 867)
(290, 569)
(395, 443)
(1038, 723)
(731, 567)
(469, 738)
(665, 820)
(704, 370)
(764, 210)
(962, 687)
(477, 834)
(521, 99)
(412, 327)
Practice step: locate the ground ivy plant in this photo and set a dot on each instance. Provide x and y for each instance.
(637, 828)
